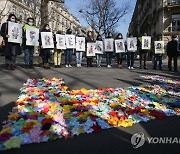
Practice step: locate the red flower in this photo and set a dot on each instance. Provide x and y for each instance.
(96, 128)
(157, 114)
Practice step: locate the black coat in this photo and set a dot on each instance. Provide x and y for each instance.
(172, 48)
(8, 45)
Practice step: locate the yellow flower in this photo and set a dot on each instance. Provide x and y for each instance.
(14, 142)
(13, 116)
(6, 130)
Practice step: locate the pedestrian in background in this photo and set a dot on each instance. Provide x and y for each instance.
(11, 50)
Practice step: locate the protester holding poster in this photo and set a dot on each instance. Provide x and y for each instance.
(131, 49)
(172, 52)
(69, 51)
(89, 39)
(158, 56)
(120, 54)
(143, 48)
(99, 48)
(57, 52)
(109, 54)
(28, 50)
(45, 52)
(80, 47)
(11, 50)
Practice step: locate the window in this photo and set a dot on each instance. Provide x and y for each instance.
(176, 22)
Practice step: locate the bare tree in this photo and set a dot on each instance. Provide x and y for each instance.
(44, 10)
(104, 15)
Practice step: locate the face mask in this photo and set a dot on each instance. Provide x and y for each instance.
(30, 23)
(47, 28)
(13, 20)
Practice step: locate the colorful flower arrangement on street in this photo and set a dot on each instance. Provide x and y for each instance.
(48, 110)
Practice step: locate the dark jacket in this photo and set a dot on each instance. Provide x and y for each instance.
(139, 45)
(8, 45)
(172, 48)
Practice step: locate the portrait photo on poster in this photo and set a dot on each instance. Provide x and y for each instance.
(32, 37)
(99, 47)
(60, 41)
(132, 44)
(159, 47)
(47, 40)
(146, 42)
(70, 42)
(109, 45)
(80, 43)
(119, 46)
(91, 50)
(14, 32)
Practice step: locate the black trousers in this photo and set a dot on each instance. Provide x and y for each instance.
(119, 58)
(143, 57)
(174, 58)
(89, 61)
(45, 55)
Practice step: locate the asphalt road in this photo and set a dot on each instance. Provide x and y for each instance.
(112, 141)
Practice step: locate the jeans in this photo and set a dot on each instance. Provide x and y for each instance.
(79, 57)
(119, 58)
(157, 58)
(57, 57)
(130, 59)
(68, 56)
(28, 56)
(109, 56)
(98, 59)
(11, 60)
(174, 58)
(143, 57)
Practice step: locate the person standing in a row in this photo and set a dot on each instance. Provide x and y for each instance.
(98, 56)
(68, 52)
(89, 39)
(119, 55)
(109, 55)
(28, 50)
(130, 57)
(45, 53)
(172, 52)
(142, 52)
(11, 49)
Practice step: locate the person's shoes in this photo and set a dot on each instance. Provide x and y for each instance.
(80, 65)
(8, 67)
(119, 66)
(132, 68)
(160, 69)
(145, 68)
(56, 66)
(140, 67)
(109, 66)
(70, 66)
(170, 69)
(12, 67)
(31, 67)
(67, 66)
(59, 66)
(129, 67)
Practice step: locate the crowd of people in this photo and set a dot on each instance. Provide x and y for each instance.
(11, 50)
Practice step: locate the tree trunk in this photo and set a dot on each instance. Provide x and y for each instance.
(44, 13)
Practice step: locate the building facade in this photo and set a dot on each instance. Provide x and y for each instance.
(59, 17)
(158, 18)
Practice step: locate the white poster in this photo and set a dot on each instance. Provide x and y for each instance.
(61, 41)
(70, 42)
(47, 40)
(99, 47)
(159, 47)
(80, 44)
(119, 46)
(146, 42)
(132, 44)
(32, 37)
(109, 45)
(91, 51)
(14, 32)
